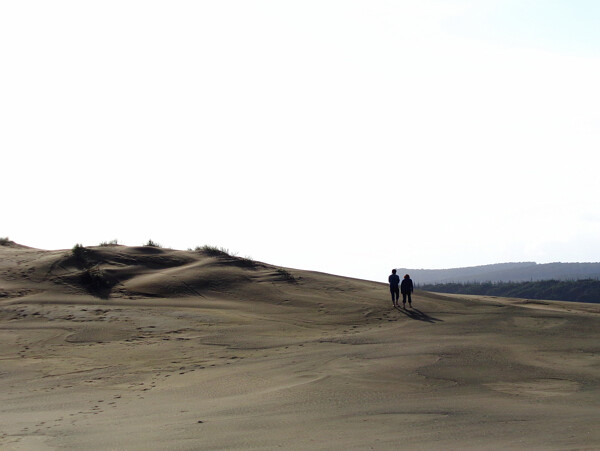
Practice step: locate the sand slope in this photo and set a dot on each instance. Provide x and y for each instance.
(144, 348)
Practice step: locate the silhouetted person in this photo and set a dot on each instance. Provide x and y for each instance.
(406, 288)
(394, 280)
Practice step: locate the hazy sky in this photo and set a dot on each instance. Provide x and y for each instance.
(343, 136)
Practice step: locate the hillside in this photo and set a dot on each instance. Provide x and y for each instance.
(506, 272)
(582, 290)
(143, 348)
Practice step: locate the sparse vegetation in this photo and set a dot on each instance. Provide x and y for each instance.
(95, 280)
(109, 243)
(245, 262)
(286, 275)
(92, 277)
(4, 241)
(151, 243)
(213, 251)
(79, 252)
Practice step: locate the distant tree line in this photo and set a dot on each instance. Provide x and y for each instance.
(506, 272)
(584, 290)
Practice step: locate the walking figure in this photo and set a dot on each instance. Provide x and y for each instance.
(394, 281)
(406, 287)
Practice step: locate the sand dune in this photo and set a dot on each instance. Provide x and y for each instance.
(138, 348)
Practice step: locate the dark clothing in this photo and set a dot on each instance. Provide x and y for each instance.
(406, 287)
(395, 294)
(394, 280)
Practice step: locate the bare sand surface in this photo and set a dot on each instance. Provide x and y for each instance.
(139, 348)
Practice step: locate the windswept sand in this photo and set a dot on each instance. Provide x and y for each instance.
(188, 352)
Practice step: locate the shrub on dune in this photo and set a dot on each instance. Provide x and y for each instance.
(95, 281)
(213, 251)
(286, 275)
(79, 251)
(151, 243)
(246, 261)
(109, 243)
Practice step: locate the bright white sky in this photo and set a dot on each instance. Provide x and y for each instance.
(342, 136)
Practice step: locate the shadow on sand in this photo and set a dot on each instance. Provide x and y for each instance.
(417, 314)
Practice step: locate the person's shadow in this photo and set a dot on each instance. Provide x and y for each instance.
(416, 314)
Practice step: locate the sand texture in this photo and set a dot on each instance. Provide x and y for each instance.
(140, 348)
